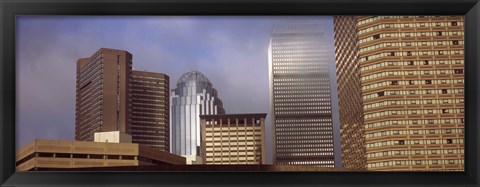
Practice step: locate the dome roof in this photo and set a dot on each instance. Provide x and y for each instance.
(193, 76)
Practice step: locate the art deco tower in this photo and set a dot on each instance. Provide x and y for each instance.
(194, 96)
(411, 74)
(300, 96)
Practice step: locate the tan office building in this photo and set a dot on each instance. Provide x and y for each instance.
(411, 70)
(49, 154)
(111, 96)
(233, 138)
(149, 98)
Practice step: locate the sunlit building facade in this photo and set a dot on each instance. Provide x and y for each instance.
(411, 70)
(300, 96)
(194, 96)
(237, 139)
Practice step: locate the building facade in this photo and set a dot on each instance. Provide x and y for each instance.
(233, 139)
(300, 93)
(149, 110)
(411, 70)
(111, 96)
(48, 154)
(102, 93)
(194, 96)
(349, 93)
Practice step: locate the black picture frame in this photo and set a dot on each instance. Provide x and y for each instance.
(9, 9)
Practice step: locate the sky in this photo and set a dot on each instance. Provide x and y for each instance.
(230, 51)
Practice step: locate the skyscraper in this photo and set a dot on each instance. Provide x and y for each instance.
(411, 71)
(349, 93)
(233, 138)
(113, 97)
(300, 93)
(102, 98)
(150, 117)
(194, 96)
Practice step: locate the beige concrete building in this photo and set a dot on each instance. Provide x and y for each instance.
(51, 154)
(411, 71)
(233, 138)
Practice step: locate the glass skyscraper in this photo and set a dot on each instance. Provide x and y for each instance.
(194, 96)
(301, 96)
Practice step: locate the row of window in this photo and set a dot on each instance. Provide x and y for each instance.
(302, 133)
(407, 44)
(326, 142)
(232, 143)
(375, 18)
(304, 127)
(413, 92)
(412, 72)
(303, 154)
(411, 53)
(301, 112)
(438, 34)
(303, 137)
(415, 162)
(300, 51)
(414, 132)
(414, 122)
(411, 63)
(279, 150)
(413, 102)
(410, 112)
(410, 24)
(415, 152)
(414, 142)
(324, 71)
(412, 82)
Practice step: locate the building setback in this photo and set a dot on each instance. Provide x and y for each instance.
(411, 70)
(111, 96)
(150, 106)
(233, 138)
(194, 96)
(349, 93)
(300, 94)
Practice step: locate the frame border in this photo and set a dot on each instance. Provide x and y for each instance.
(11, 8)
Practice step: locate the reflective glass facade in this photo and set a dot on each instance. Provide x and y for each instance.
(300, 93)
(194, 96)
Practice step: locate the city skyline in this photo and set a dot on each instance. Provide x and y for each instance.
(70, 38)
(408, 75)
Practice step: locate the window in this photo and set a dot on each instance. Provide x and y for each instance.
(425, 62)
(458, 71)
(454, 23)
(410, 63)
(411, 82)
(455, 42)
(409, 53)
(392, 54)
(380, 94)
(439, 33)
(444, 91)
(428, 81)
(449, 141)
(401, 142)
(394, 83)
(376, 36)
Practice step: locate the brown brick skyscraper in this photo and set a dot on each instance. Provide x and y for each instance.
(102, 98)
(113, 97)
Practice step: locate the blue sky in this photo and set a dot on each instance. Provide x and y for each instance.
(230, 51)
